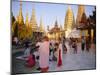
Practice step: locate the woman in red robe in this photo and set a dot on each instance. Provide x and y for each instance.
(59, 56)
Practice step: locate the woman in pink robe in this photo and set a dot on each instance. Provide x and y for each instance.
(44, 55)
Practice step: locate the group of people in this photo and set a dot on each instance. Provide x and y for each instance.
(44, 51)
(49, 50)
(85, 44)
(73, 44)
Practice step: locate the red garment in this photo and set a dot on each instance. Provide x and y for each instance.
(59, 60)
(44, 69)
(31, 61)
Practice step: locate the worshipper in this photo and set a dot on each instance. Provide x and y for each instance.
(26, 53)
(75, 46)
(44, 54)
(51, 48)
(87, 44)
(37, 55)
(30, 62)
(83, 43)
(27, 48)
(70, 42)
(64, 49)
(63, 45)
(59, 54)
(15, 40)
(55, 54)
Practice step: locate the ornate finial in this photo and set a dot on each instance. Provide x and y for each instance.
(69, 7)
(56, 23)
(20, 3)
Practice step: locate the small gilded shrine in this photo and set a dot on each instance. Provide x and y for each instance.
(56, 32)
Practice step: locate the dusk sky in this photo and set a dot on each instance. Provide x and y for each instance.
(48, 11)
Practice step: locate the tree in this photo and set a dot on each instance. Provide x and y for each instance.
(13, 18)
(93, 23)
(14, 27)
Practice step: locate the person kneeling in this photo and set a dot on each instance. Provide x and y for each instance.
(30, 61)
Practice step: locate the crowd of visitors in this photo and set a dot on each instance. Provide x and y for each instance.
(46, 50)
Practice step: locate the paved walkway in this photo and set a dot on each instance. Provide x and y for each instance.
(71, 61)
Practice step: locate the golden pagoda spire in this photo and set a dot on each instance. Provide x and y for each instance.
(56, 23)
(41, 25)
(68, 19)
(27, 21)
(81, 10)
(33, 22)
(20, 15)
(69, 9)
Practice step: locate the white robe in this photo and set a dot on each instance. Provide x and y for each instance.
(25, 56)
(38, 44)
(44, 54)
(27, 52)
(37, 52)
